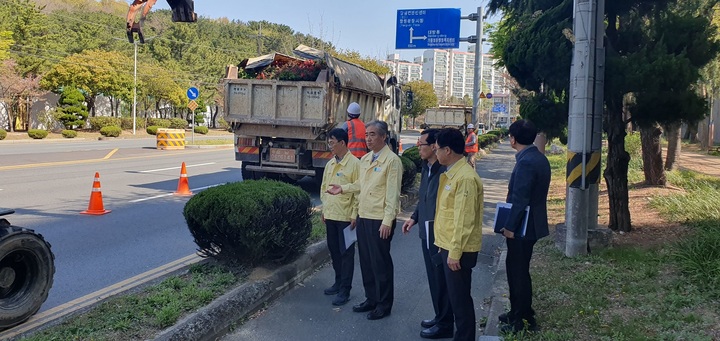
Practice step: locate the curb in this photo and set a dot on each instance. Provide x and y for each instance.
(216, 319)
(499, 301)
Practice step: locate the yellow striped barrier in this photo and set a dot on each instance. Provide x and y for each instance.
(169, 139)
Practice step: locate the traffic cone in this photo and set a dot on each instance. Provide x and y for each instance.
(400, 150)
(183, 188)
(96, 203)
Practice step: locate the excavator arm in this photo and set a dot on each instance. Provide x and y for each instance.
(182, 11)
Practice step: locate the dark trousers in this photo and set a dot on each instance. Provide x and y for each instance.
(517, 266)
(459, 286)
(376, 264)
(343, 261)
(438, 286)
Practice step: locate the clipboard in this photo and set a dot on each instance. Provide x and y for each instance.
(349, 236)
(502, 212)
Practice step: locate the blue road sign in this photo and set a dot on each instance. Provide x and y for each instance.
(488, 96)
(499, 108)
(193, 93)
(433, 28)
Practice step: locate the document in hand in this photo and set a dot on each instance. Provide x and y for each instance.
(429, 233)
(502, 211)
(350, 235)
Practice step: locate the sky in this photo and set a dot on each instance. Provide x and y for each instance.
(366, 26)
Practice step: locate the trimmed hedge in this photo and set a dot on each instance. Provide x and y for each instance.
(37, 133)
(3, 134)
(111, 131)
(178, 123)
(160, 122)
(99, 122)
(152, 130)
(414, 155)
(250, 222)
(486, 140)
(409, 175)
(201, 130)
(69, 133)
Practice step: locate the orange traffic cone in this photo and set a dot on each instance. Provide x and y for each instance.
(183, 186)
(400, 150)
(96, 203)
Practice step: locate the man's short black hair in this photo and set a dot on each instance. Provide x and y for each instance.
(523, 131)
(453, 138)
(339, 134)
(431, 135)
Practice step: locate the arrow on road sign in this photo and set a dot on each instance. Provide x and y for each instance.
(416, 38)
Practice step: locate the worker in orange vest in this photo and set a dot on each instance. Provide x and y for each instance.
(356, 131)
(471, 144)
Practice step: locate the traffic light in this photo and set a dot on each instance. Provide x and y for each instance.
(409, 99)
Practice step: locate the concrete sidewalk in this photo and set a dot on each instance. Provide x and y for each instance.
(304, 313)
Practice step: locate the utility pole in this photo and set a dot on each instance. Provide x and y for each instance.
(477, 39)
(587, 77)
(134, 86)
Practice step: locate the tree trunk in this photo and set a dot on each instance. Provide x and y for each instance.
(90, 100)
(214, 115)
(616, 173)
(674, 145)
(652, 155)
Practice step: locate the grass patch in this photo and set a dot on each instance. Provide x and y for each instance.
(140, 316)
(318, 228)
(208, 142)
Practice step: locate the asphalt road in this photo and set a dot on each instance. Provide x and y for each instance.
(49, 182)
(304, 313)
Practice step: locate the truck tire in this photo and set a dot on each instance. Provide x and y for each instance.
(27, 266)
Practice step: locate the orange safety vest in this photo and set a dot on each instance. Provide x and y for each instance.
(473, 148)
(356, 138)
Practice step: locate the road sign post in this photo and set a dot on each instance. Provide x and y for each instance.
(192, 94)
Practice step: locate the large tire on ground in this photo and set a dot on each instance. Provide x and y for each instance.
(27, 266)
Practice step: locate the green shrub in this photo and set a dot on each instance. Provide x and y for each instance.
(3, 134)
(178, 123)
(201, 130)
(414, 155)
(250, 222)
(160, 122)
(633, 146)
(126, 123)
(409, 175)
(152, 130)
(99, 122)
(69, 133)
(486, 140)
(37, 133)
(111, 131)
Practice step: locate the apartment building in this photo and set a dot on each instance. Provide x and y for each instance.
(405, 71)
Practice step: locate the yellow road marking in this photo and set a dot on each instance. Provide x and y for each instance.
(87, 300)
(110, 153)
(78, 162)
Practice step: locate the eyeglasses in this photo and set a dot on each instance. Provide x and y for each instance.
(440, 148)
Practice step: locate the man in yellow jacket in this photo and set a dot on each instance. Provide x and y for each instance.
(378, 205)
(458, 227)
(339, 212)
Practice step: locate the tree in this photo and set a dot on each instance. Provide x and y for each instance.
(93, 72)
(15, 90)
(72, 111)
(423, 97)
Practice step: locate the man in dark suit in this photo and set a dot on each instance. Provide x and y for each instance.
(441, 325)
(528, 186)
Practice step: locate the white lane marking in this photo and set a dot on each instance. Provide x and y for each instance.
(169, 194)
(171, 168)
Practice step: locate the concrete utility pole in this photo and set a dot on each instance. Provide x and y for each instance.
(587, 77)
(477, 40)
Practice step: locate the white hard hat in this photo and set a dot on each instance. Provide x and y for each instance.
(470, 126)
(353, 109)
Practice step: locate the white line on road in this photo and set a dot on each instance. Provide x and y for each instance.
(169, 194)
(171, 168)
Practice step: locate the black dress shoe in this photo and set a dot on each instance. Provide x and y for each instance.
(333, 290)
(436, 332)
(428, 323)
(363, 307)
(377, 314)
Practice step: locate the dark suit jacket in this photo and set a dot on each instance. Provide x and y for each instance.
(425, 210)
(529, 186)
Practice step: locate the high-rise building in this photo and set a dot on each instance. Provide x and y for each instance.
(405, 71)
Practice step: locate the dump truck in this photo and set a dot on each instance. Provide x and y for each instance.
(451, 116)
(281, 125)
(27, 266)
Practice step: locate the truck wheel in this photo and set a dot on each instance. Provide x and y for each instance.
(27, 267)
